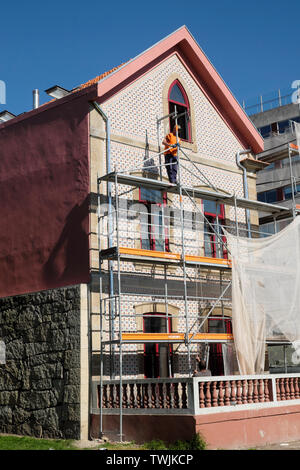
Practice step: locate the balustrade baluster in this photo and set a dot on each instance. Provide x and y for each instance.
(227, 393)
(233, 392)
(244, 392)
(125, 401)
(207, 395)
(238, 392)
(117, 396)
(104, 396)
(184, 396)
(138, 396)
(261, 397)
(160, 395)
(292, 389)
(221, 394)
(255, 391)
(282, 389)
(287, 388)
(201, 395)
(214, 394)
(111, 396)
(153, 395)
(176, 396)
(277, 390)
(131, 396)
(168, 395)
(145, 396)
(296, 385)
(266, 387)
(250, 391)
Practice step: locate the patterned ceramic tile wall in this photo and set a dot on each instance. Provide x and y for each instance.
(133, 111)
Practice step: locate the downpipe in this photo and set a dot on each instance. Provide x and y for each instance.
(110, 225)
(245, 184)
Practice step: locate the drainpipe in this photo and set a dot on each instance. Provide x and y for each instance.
(110, 239)
(245, 183)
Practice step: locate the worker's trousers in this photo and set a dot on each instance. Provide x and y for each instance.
(171, 167)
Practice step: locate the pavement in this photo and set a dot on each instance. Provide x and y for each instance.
(293, 445)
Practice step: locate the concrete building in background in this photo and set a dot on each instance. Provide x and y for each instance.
(279, 182)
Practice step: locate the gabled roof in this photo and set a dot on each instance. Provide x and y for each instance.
(182, 43)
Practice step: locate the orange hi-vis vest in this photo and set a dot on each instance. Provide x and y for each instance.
(171, 139)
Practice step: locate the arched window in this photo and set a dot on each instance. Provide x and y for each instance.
(178, 98)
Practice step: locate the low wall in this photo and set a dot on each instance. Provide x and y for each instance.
(250, 428)
(229, 430)
(40, 380)
(230, 412)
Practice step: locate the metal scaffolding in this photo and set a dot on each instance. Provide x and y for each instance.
(197, 269)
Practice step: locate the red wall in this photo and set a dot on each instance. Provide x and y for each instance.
(44, 186)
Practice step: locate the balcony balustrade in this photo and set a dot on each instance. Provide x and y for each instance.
(194, 395)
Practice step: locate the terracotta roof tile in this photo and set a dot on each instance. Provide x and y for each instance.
(96, 79)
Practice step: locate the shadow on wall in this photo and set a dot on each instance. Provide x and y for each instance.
(69, 259)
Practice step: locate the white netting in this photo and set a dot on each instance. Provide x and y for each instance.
(297, 131)
(265, 294)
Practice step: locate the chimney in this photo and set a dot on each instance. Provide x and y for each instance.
(35, 98)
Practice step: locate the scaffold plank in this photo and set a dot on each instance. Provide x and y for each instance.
(140, 254)
(221, 198)
(175, 337)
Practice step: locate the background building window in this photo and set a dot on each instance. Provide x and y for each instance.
(288, 193)
(177, 97)
(273, 195)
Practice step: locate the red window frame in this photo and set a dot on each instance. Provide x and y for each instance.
(170, 347)
(216, 362)
(214, 242)
(227, 323)
(185, 105)
(148, 205)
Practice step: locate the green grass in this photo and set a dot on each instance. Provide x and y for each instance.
(30, 443)
(9, 442)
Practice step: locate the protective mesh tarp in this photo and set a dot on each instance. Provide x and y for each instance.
(265, 294)
(297, 131)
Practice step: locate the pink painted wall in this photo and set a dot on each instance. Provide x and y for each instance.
(44, 186)
(231, 430)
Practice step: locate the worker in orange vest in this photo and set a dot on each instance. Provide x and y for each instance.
(171, 157)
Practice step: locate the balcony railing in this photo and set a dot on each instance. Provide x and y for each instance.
(194, 395)
(270, 100)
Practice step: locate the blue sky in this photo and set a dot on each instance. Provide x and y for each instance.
(253, 45)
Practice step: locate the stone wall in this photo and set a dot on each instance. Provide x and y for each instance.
(40, 382)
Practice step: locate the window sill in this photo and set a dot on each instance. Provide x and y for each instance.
(189, 145)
